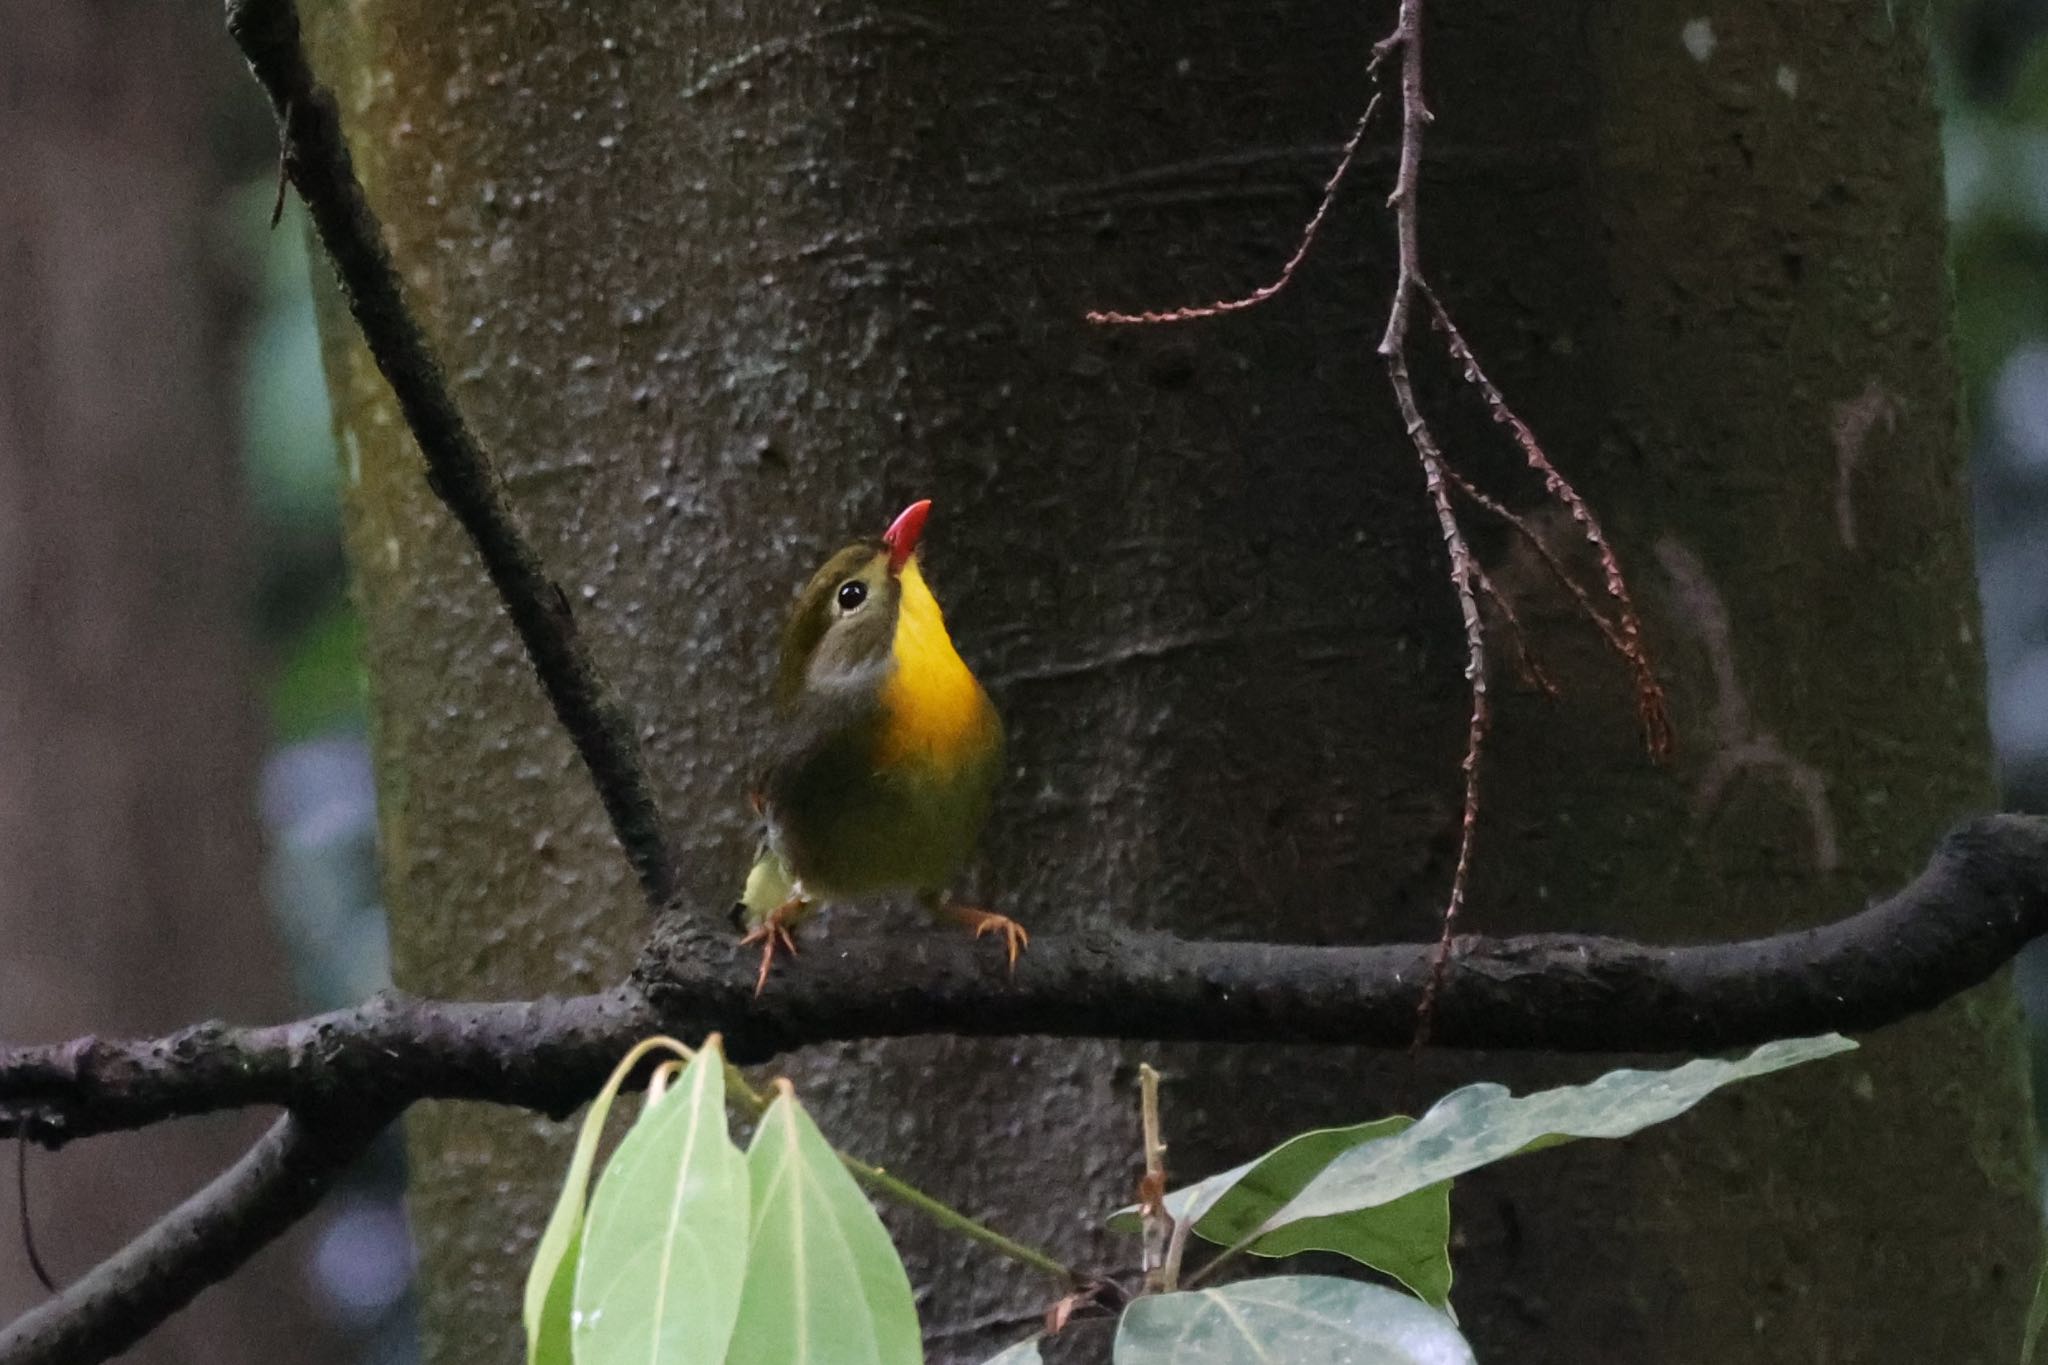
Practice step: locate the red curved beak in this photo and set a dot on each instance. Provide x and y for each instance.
(903, 534)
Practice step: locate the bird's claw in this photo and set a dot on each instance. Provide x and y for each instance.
(771, 933)
(1015, 939)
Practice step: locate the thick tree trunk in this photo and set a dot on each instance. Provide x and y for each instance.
(130, 729)
(725, 289)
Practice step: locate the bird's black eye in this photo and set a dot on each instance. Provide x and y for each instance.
(852, 593)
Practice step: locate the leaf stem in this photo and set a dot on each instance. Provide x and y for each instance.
(908, 1195)
(1229, 1253)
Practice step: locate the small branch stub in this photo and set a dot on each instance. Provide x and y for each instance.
(1157, 1224)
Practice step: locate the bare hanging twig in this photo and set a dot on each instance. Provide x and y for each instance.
(1393, 349)
(1469, 581)
(1625, 632)
(1293, 263)
(28, 1227)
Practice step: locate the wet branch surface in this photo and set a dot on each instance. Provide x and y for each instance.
(1984, 895)
(343, 1075)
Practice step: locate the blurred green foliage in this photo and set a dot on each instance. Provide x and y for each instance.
(288, 426)
(1993, 81)
(316, 796)
(309, 630)
(317, 683)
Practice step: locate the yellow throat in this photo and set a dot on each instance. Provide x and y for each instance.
(934, 712)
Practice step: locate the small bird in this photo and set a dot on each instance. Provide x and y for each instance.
(886, 751)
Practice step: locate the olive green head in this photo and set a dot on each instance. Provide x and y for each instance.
(844, 622)
(840, 636)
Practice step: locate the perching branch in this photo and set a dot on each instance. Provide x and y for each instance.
(459, 470)
(1984, 895)
(197, 1244)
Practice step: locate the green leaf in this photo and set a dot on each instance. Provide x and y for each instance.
(1399, 1224)
(1024, 1352)
(1288, 1318)
(1480, 1124)
(2037, 1317)
(1232, 1205)
(551, 1280)
(661, 1270)
(1408, 1238)
(824, 1285)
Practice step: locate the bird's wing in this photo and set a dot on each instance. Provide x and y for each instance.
(824, 741)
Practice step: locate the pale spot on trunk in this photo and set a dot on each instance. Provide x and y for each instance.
(1698, 37)
(1851, 428)
(1740, 746)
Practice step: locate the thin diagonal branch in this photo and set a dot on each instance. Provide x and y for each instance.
(197, 1244)
(1983, 896)
(460, 472)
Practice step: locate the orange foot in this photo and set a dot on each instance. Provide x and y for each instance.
(986, 921)
(772, 931)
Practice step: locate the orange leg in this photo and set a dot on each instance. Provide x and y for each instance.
(772, 931)
(987, 921)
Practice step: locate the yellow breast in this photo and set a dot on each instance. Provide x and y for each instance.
(933, 709)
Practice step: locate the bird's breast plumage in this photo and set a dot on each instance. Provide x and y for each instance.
(933, 709)
(888, 789)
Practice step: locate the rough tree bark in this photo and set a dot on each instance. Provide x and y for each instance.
(130, 729)
(724, 287)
